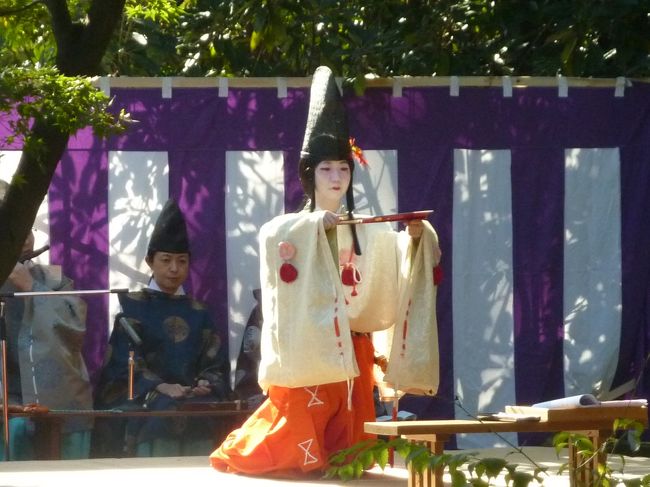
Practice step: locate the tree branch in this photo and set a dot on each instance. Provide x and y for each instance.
(103, 18)
(61, 21)
(59, 12)
(6, 12)
(81, 46)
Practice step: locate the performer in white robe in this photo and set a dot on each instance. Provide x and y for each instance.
(325, 288)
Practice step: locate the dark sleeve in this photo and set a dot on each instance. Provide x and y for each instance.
(112, 388)
(147, 356)
(214, 363)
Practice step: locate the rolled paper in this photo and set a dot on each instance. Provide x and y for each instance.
(396, 217)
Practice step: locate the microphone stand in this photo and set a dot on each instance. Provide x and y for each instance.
(3, 344)
(135, 343)
(131, 370)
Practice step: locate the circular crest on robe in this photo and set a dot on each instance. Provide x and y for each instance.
(176, 328)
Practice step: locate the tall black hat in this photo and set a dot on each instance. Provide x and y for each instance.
(170, 232)
(326, 132)
(326, 137)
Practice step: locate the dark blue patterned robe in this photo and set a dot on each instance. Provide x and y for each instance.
(179, 346)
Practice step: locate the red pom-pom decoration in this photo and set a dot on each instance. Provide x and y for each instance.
(350, 275)
(288, 273)
(437, 275)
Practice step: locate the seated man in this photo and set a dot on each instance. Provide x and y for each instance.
(179, 356)
(44, 361)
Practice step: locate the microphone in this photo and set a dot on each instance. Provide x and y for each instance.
(134, 338)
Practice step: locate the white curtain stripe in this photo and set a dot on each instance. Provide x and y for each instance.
(482, 303)
(254, 194)
(592, 269)
(138, 187)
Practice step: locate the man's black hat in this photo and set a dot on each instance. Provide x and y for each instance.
(170, 232)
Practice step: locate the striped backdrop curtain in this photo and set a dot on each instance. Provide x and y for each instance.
(541, 200)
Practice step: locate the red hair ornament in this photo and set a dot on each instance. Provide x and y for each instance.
(357, 153)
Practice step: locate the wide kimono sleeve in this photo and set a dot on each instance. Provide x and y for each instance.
(306, 335)
(112, 388)
(414, 357)
(214, 364)
(53, 352)
(371, 300)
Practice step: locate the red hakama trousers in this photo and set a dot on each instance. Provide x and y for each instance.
(296, 429)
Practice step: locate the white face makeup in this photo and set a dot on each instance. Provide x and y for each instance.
(331, 181)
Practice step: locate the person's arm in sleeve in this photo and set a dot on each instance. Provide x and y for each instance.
(112, 389)
(214, 366)
(65, 314)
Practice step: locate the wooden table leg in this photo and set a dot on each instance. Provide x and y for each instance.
(47, 437)
(416, 479)
(429, 477)
(583, 472)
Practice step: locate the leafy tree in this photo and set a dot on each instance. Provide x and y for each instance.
(49, 48)
(397, 37)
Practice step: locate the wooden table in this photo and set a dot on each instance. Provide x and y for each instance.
(48, 426)
(594, 422)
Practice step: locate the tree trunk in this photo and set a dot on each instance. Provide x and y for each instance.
(80, 49)
(22, 201)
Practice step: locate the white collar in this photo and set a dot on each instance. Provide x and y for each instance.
(153, 285)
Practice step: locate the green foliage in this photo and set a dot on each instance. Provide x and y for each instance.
(350, 463)
(65, 103)
(25, 37)
(163, 12)
(356, 38)
(406, 37)
(625, 430)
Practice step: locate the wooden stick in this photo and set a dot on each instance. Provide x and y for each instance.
(396, 217)
(391, 451)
